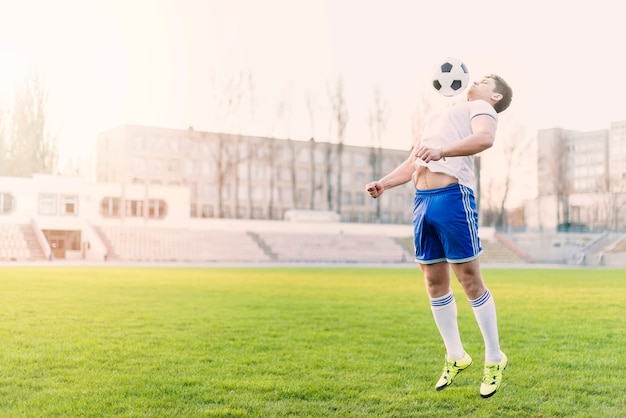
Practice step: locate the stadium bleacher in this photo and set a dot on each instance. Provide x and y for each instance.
(13, 245)
(166, 244)
(278, 242)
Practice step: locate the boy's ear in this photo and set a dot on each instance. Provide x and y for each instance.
(496, 97)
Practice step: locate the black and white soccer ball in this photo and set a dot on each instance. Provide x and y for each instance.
(450, 77)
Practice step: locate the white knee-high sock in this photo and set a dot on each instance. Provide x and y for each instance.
(485, 312)
(445, 312)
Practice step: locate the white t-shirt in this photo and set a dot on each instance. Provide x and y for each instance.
(451, 125)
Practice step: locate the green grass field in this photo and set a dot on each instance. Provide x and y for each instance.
(305, 342)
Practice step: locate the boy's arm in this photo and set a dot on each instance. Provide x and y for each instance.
(400, 175)
(482, 138)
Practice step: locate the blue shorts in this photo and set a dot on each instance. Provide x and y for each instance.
(445, 224)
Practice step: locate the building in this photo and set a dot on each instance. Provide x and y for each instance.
(158, 198)
(246, 177)
(62, 212)
(617, 156)
(51, 217)
(581, 180)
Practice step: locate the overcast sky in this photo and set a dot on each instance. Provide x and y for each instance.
(154, 62)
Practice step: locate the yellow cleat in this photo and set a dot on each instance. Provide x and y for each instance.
(450, 369)
(492, 377)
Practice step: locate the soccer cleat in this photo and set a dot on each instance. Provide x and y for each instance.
(492, 377)
(450, 369)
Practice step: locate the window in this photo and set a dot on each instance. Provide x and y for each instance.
(303, 175)
(110, 208)
(359, 178)
(319, 177)
(47, 204)
(259, 172)
(320, 157)
(205, 169)
(281, 174)
(191, 168)
(285, 196)
(257, 193)
(243, 148)
(175, 145)
(138, 144)
(303, 195)
(7, 203)
(186, 144)
(303, 156)
(242, 171)
(174, 166)
(208, 190)
(205, 148)
(359, 160)
(157, 208)
(288, 153)
(401, 218)
(157, 145)
(139, 165)
(207, 211)
(400, 201)
(69, 205)
(134, 208)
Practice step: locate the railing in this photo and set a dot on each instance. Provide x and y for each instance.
(41, 239)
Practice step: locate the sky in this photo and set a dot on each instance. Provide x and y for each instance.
(166, 62)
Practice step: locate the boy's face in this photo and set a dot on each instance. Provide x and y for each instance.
(484, 89)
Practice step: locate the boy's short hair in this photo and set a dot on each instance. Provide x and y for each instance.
(503, 88)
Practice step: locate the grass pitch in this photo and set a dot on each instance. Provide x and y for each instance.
(306, 342)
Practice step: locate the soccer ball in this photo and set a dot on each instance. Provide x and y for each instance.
(450, 77)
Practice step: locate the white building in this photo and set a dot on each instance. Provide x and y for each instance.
(243, 177)
(62, 211)
(581, 180)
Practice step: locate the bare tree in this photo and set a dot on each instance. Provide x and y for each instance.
(249, 150)
(516, 144)
(328, 170)
(250, 188)
(4, 151)
(292, 160)
(283, 113)
(418, 118)
(271, 160)
(612, 198)
(310, 106)
(32, 148)
(225, 155)
(553, 179)
(293, 173)
(378, 118)
(225, 158)
(341, 116)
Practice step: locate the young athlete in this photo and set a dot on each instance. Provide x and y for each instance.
(445, 220)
